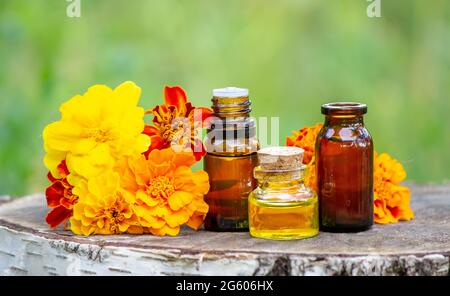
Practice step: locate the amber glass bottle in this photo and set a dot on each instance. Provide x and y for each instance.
(231, 146)
(344, 156)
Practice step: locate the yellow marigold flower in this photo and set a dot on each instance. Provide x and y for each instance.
(391, 201)
(103, 207)
(168, 194)
(96, 129)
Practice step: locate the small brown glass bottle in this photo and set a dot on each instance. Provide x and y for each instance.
(231, 146)
(344, 156)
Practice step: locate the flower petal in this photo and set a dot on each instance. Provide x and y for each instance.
(61, 135)
(175, 96)
(179, 199)
(54, 194)
(166, 230)
(142, 196)
(128, 92)
(177, 218)
(196, 221)
(57, 216)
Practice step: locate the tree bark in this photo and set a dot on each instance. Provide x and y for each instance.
(418, 247)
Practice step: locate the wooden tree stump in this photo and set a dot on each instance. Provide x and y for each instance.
(419, 247)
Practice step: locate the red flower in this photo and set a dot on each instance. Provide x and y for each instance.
(177, 123)
(60, 197)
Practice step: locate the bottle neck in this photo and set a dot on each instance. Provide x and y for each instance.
(278, 180)
(224, 107)
(343, 120)
(231, 130)
(280, 185)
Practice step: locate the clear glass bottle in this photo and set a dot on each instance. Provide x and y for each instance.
(344, 167)
(282, 207)
(231, 146)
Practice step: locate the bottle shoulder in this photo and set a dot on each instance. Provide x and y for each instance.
(345, 133)
(300, 194)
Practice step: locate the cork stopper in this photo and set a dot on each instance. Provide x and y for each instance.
(280, 158)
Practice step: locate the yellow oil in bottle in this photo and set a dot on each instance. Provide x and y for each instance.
(282, 207)
(283, 220)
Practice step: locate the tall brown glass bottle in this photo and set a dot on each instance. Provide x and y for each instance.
(231, 147)
(344, 156)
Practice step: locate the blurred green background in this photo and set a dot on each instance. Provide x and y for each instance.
(293, 55)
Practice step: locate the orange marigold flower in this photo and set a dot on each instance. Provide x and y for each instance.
(177, 123)
(310, 175)
(60, 197)
(168, 194)
(391, 201)
(104, 207)
(305, 138)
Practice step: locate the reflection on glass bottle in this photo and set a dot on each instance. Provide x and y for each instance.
(344, 156)
(231, 147)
